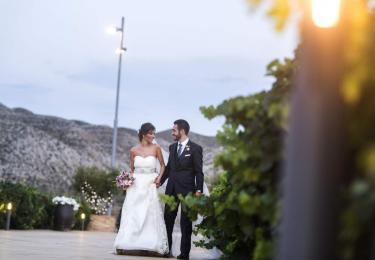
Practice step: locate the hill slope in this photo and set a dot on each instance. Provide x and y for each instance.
(45, 151)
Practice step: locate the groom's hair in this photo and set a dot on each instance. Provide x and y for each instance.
(182, 124)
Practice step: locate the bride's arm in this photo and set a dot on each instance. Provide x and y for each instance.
(159, 155)
(132, 155)
(167, 168)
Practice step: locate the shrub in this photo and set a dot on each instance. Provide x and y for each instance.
(99, 204)
(100, 180)
(31, 208)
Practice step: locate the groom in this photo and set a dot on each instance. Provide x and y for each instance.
(184, 170)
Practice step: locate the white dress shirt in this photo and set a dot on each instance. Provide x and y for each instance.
(184, 143)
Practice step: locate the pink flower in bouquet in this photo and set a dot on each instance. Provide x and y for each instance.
(124, 180)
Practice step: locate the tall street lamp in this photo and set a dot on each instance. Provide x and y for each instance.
(120, 51)
(316, 157)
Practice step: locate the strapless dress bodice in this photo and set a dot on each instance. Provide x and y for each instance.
(145, 164)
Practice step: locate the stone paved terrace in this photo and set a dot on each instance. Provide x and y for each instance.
(48, 244)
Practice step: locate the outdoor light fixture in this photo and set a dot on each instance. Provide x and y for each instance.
(317, 86)
(113, 29)
(325, 13)
(120, 51)
(9, 214)
(83, 217)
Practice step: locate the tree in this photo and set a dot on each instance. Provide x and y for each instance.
(240, 215)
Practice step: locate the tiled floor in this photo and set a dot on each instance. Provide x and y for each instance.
(47, 244)
(73, 245)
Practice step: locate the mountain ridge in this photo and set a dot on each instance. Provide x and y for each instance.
(45, 150)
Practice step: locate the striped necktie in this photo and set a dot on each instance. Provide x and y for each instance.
(179, 151)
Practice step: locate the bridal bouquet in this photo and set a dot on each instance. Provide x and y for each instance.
(124, 180)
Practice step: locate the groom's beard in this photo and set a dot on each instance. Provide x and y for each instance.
(177, 138)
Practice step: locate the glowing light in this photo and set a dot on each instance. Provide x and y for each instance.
(9, 206)
(83, 216)
(326, 13)
(120, 50)
(111, 29)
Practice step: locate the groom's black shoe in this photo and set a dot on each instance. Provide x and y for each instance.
(183, 257)
(169, 255)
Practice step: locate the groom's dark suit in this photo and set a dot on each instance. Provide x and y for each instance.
(184, 175)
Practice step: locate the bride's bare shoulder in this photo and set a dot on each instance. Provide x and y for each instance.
(157, 146)
(134, 149)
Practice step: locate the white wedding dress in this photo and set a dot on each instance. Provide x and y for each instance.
(142, 224)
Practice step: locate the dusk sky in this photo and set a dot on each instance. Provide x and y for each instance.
(56, 58)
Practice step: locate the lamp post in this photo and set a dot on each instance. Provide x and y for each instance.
(121, 50)
(9, 214)
(316, 157)
(83, 217)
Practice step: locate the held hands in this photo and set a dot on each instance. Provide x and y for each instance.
(157, 181)
(198, 194)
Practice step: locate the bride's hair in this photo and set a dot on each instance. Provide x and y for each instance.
(145, 129)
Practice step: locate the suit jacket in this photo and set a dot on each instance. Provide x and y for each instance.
(184, 172)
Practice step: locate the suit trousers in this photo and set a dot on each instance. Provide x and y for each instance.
(185, 224)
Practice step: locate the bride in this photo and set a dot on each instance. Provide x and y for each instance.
(142, 229)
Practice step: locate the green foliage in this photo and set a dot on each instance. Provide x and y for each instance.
(240, 215)
(100, 180)
(168, 200)
(358, 216)
(278, 10)
(31, 208)
(356, 235)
